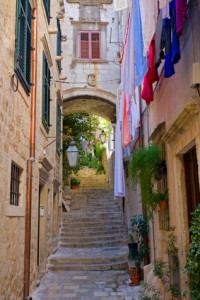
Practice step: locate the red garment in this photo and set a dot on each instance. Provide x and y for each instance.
(181, 15)
(126, 137)
(151, 75)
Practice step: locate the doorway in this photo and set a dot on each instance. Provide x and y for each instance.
(191, 181)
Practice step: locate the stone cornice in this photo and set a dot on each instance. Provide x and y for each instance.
(76, 23)
(190, 111)
(45, 163)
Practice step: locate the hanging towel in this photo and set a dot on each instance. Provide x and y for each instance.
(149, 15)
(126, 137)
(128, 61)
(175, 39)
(140, 60)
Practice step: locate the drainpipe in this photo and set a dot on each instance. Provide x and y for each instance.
(29, 174)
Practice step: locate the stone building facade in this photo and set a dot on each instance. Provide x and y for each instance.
(15, 112)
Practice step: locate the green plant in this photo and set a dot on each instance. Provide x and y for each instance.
(173, 250)
(193, 260)
(162, 196)
(161, 270)
(143, 170)
(138, 229)
(75, 181)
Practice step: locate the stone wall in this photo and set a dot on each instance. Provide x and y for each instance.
(14, 146)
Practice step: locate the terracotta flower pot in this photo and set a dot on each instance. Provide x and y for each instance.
(74, 187)
(134, 276)
(163, 204)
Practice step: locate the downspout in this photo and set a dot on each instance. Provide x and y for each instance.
(29, 174)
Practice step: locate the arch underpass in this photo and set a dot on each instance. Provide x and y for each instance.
(92, 101)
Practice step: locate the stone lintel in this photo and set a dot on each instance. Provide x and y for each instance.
(89, 2)
(190, 111)
(158, 132)
(46, 50)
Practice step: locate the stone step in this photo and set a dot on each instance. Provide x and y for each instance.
(119, 265)
(93, 216)
(86, 231)
(92, 244)
(89, 228)
(89, 239)
(88, 256)
(93, 224)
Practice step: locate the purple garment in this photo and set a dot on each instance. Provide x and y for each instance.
(119, 181)
(181, 15)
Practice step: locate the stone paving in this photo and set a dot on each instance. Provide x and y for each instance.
(86, 285)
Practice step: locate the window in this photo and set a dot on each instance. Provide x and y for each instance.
(59, 51)
(58, 129)
(14, 184)
(23, 43)
(46, 94)
(89, 45)
(47, 9)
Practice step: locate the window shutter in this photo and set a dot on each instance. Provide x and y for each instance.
(47, 9)
(84, 45)
(58, 129)
(59, 50)
(23, 43)
(95, 42)
(120, 4)
(46, 94)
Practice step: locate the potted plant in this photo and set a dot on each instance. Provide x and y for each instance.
(163, 200)
(74, 183)
(143, 169)
(133, 248)
(134, 275)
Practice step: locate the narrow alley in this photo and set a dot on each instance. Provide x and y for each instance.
(100, 149)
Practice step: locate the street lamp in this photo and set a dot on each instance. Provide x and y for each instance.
(102, 136)
(72, 154)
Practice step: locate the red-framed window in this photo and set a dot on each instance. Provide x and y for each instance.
(89, 45)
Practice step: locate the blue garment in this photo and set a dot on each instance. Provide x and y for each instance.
(170, 42)
(175, 39)
(141, 63)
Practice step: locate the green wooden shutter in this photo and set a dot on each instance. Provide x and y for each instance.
(46, 94)
(47, 9)
(58, 129)
(23, 43)
(59, 50)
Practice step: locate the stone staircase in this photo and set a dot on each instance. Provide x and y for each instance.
(93, 235)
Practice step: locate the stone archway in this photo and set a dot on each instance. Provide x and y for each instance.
(92, 101)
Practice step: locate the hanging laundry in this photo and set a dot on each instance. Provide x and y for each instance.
(119, 182)
(141, 65)
(125, 40)
(165, 10)
(126, 137)
(128, 59)
(170, 42)
(151, 75)
(181, 15)
(162, 3)
(149, 15)
(135, 113)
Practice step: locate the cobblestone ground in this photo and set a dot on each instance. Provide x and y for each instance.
(86, 285)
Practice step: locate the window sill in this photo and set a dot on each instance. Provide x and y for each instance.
(15, 211)
(90, 61)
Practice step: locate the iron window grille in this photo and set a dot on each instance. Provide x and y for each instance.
(23, 44)
(46, 94)
(15, 184)
(89, 45)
